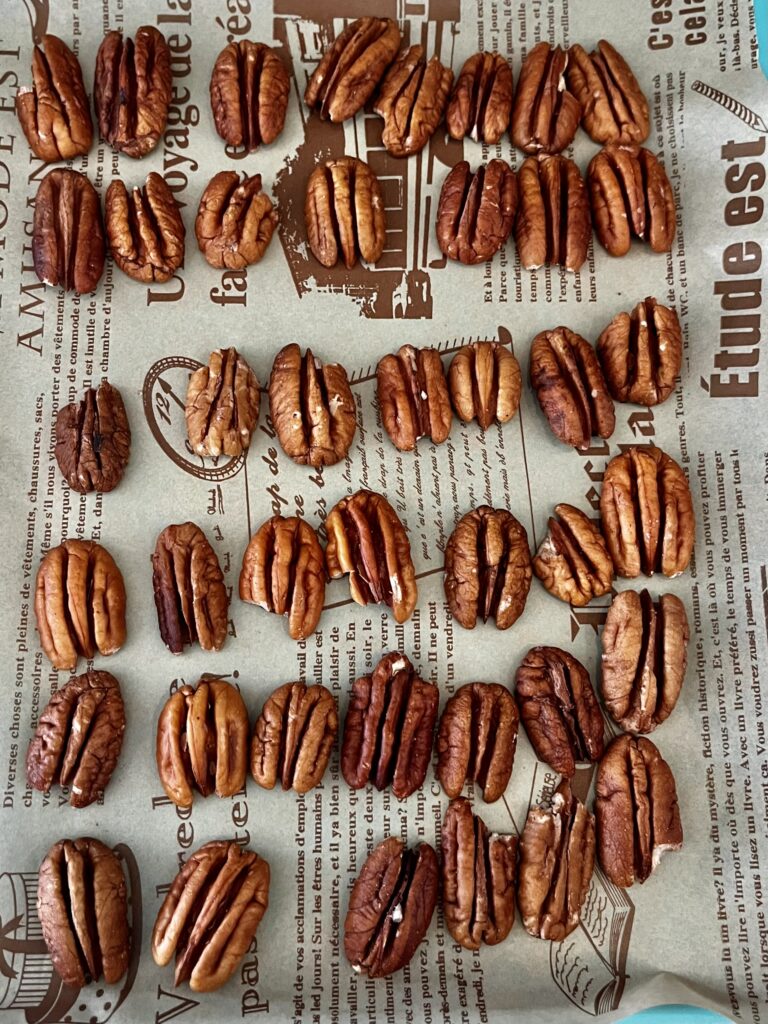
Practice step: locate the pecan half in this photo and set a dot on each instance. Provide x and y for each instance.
(645, 654)
(132, 90)
(573, 560)
(485, 383)
(631, 196)
(647, 513)
(249, 94)
(367, 541)
(481, 101)
(545, 115)
(54, 113)
(391, 906)
(83, 909)
(79, 603)
(93, 440)
(487, 568)
(78, 738)
(641, 353)
(638, 819)
(284, 573)
(222, 406)
(553, 223)
(293, 737)
(389, 728)
(614, 107)
(344, 213)
(412, 100)
(557, 858)
(145, 229)
(412, 392)
(478, 873)
(190, 596)
(351, 69)
(202, 741)
(570, 387)
(210, 914)
(475, 211)
(67, 233)
(235, 221)
(559, 709)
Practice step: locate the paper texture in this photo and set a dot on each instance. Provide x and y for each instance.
(697, 930)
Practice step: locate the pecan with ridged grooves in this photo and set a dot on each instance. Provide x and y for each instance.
(553, 223)
(641, 353)
(222, 405)
(476, 211)
(249, 94)
(93, 440)
(545, 115)
(614, 107)
(411, 100)
(344, 213)
(413, 397)
(235, 221)
(54, 113)
(573, 561)
(481, 101)
(67, 233)
(145, 229)
(485, 383)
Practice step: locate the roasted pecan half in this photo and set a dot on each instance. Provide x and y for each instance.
(67, 233)
(54, 113)
(487, 568)
(222, 407)
(132, 90)
(190, 596)
(83, 909)
(638, 819)
(481, 101)
(78, 738)
(645, 654)
(344, 213)
(284, 573)
(559, 709)
(93, 440)
(202, 741)
(570, 387)
(641, 353)
(557, 858)
(631, 197)
(367, 541)
(293, 737)
(311, 407)
(647, 513)
(390, 908)
(553, 223)
(545, 115)
(485, 383)
(614, 107)
(478, 869)
(476, 211)
(413, 397)
(235, 221)
(145, 229)
(351, 69)
(211, 913)
(476, 740)
(79, 603)
(389, 728)
(249, 94)
(411, 100)
(573, 560)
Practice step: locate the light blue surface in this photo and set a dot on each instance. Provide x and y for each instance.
(761, 22)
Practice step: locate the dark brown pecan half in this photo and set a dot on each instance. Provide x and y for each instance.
(132, 90)
(67, 233)
(545, 115)
(557, 858)
(249, 94)
(293, 737)
(559, 709)
(647, 513)
(641, 353)
(389, 728)
(573, 560)
(413, 397)
(478, 869)
(487, 568)
(351, 69)
(638, 819)
(79, 603)
(570, 387)
(645, 654)
(54, 113)
(390, 908)
(78, 738)
(145, 229)
(476, 211)
(93, 440)
(222, 407)
(481, 101)
(614, 107)
(211, 913)
(190, 596)
(367, 541)
(553, 223)
(631, 196)
(411, 100)
(485, 383)
(344, 213)
(235, 221)
(83, 909)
